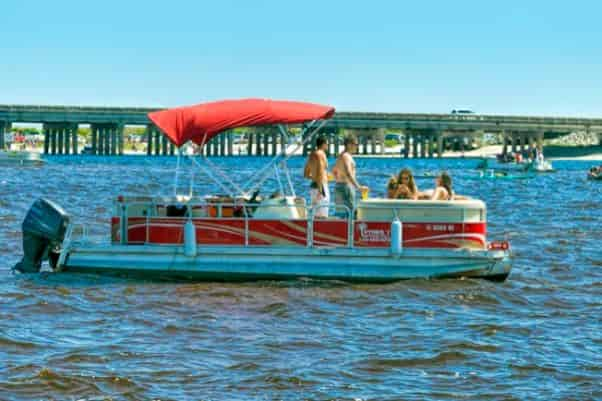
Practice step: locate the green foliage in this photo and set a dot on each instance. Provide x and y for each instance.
(26, 130)
(138, 131)
(83, 133)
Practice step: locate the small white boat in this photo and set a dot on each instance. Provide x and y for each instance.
(20, 158)
(244, 237)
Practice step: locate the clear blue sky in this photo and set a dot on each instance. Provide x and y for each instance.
(512, 57)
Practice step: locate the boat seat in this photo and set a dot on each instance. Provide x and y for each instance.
(280, 208)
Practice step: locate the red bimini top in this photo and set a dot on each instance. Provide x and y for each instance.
(203, 121)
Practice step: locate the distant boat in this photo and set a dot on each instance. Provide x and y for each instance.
(87, 150)
(595, 174)
(20, 158)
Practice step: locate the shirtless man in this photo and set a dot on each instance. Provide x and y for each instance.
(344, 174)
(316, 170)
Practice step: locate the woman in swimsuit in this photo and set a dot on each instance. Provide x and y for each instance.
(443, 187)
(402, 187)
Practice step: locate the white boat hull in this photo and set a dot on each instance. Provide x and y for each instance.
(228, 263)
(20, 159)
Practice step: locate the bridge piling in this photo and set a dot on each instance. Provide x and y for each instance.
(207, 149)
(61, 141)
(230, 143)
(101, 140)
(110, 132)
(264, 148)
(4, 128)
(93, 139)
(98, 135)
(149, 140)
(53, 141)
(249, 144)
(67, 138)
(46, 140)
(120, 139)
(164, 145)
(274, 144)
(159, 145)
(105, 140)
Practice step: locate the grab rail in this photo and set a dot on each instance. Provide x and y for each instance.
(150, 211)
(246, 217)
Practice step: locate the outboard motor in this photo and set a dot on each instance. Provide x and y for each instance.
(44, 229)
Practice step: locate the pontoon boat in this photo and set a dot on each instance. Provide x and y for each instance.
(239, 235)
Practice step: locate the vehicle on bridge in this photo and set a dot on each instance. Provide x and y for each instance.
(238, 234)
(462, 112)
(393, 139)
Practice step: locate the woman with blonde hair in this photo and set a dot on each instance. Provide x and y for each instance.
(403, 186)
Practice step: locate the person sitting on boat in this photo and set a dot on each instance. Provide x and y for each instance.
(402, 187)
(518, 158)
(344, 175)
(443, 188)
(539, 155)
(316, 169)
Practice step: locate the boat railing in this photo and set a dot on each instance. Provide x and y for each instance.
(78, 232)
(246, 212)
(246, 208)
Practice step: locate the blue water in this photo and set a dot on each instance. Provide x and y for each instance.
(535, 336)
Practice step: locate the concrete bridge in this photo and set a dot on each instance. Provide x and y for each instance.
(424, 134)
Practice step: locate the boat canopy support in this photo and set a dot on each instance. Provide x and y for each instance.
(277, 164)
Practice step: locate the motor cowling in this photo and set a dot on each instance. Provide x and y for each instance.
(44, 229)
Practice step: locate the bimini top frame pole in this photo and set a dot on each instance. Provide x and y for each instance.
(264, 173)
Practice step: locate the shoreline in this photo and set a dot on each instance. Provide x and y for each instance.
(554, 153)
